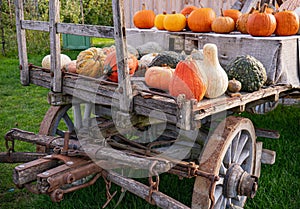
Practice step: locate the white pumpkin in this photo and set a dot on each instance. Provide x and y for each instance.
(147, 58)
(217, 78)
(64, 59)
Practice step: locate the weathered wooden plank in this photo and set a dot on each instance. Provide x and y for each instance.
(35, 25)
(248, 5)
(141, 190)
(86, 30)
(33, 138)
(55, 50)
(26, 173)
(19, 157)
(257, 166)
(213, 106)
(124, 84)
(166, 105)
(141, 110)
(271, 134)
(21, 38)
(70, 28)
(268, 156)
(41, 78)
(185, 119)
(88, 96)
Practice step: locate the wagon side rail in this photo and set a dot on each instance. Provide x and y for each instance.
(55, 28)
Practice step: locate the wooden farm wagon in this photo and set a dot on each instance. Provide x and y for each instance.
(202, 140)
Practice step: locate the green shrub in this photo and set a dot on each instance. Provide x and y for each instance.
(94, 12)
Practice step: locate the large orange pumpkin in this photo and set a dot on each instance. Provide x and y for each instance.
(111, 68)
(261, 24)
(144, 19)
(223, 24)
(187, 80)
(287, 23)
(200, 20)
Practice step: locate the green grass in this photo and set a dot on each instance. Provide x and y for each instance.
(25, 106)
(102, 42)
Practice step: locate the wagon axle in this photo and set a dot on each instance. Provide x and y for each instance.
(239, 182)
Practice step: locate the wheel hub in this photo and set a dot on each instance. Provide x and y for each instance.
(239, 182)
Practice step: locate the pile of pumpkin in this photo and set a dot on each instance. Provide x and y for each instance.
(196, 75)
(264, 21)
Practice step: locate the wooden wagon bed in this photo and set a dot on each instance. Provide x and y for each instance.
(187, 114)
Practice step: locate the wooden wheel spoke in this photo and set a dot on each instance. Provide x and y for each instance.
(221, 200)
(220, 182)
(218, 196)
(235, 143)
(228, 202)
(60, 133)
(223, 169)
(227, 159)
(245, 154)
(224, 203)
(242, 142)
(77, 116)
(68, 122)
(238, 200)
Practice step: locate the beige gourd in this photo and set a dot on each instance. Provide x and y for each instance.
(216, 76)
(159, 77)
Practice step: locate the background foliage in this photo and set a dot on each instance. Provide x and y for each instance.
(97, 12)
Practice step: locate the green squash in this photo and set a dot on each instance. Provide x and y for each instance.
(149, 47)
(167, 58)
(249, 71)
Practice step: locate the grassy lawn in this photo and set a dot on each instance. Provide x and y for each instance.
(25, 106)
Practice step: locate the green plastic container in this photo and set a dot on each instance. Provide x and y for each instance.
(75, 42)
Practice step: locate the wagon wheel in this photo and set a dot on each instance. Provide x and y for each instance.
(59, 119)
(230, 154)
(263, 108)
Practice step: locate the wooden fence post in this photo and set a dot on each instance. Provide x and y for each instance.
(21, 38)
(125, 90)
(55, 46)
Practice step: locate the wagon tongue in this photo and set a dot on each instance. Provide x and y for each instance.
(238, 182)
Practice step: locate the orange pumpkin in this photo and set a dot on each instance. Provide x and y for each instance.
(70, 66)
(241, 23)
(233, 13)
(200, 20)
(111, 68)
(223, 24)
(186, 11)
(187, 80)
(144, 19)
(287, 23)
(261, 24)
(174, 22)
